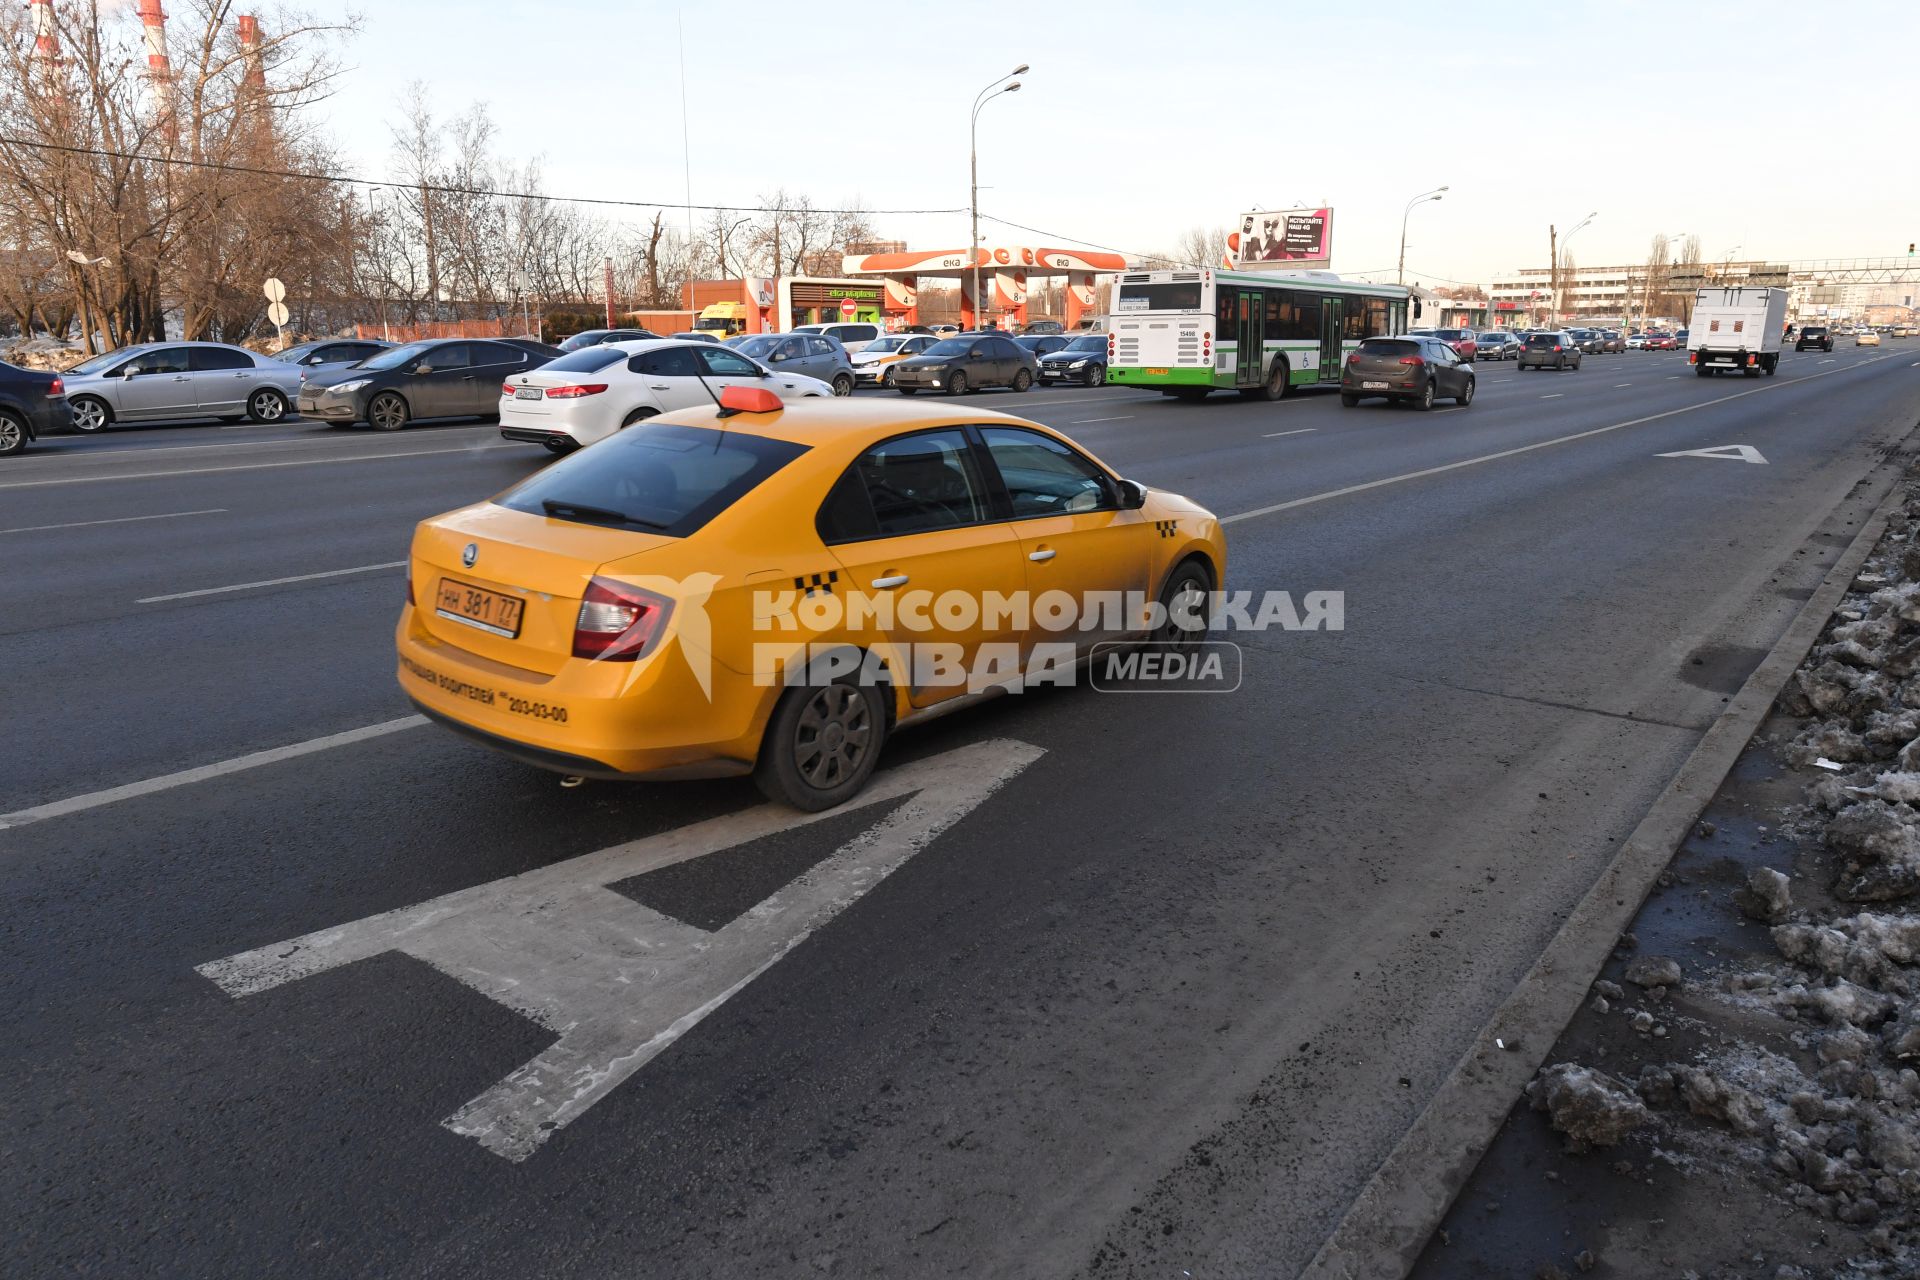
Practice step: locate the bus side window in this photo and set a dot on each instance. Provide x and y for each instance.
(1225, 299)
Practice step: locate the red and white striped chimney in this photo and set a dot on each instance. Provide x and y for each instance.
(159, 70)
(256, 72)
(46, 41)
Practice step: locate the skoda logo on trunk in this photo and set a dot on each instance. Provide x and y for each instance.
(470, 554)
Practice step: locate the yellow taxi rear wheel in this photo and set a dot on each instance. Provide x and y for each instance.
(821, 744)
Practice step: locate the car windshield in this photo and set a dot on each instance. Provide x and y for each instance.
(1814, 330)
(586, 360)
(653, 478)
(398, 356)
(759, 348)
(889, 343)
(1543, 340)
(947, 348)
(99, 364)
(585, 338)
(1450, 334)
(1090, 342)
(293, 354)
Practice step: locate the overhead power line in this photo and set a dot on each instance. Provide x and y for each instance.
(439, 188)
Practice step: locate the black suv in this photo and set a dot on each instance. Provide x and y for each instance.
(1814, 335)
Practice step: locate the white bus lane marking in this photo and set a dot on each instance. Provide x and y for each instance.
(618, 982)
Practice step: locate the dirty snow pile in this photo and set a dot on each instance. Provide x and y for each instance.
(1833, 1109)
(51, 354)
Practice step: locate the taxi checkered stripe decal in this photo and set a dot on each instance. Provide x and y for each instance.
(1167, 528)
(813, 582)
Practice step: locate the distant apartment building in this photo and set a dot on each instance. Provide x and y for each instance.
(1618, 295)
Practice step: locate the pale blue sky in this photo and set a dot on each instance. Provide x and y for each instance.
(1789, 133)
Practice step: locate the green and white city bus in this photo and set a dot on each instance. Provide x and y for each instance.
(1260, 333)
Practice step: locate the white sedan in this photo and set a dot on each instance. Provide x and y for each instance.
(590, 394)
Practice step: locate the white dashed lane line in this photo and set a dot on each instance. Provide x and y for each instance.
(271, 582)
(1297, 431)
(87, 524)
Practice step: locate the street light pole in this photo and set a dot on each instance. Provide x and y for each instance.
(1401, 276)
(994, 90)
(1560, 252)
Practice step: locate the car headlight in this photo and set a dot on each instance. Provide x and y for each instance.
(343, 387)
(1078, 364)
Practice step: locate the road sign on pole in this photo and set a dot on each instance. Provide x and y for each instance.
(276, 293)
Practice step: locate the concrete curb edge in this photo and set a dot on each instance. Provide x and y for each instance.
(1383, 1231)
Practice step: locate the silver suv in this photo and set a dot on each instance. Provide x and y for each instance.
(816, 355)
(179, 382)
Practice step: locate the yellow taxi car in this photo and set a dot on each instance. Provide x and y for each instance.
(774, 589)
(873, 363)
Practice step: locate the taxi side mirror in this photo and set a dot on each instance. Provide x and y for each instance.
(1133, 495)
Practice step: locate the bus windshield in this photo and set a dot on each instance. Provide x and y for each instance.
(1181, 296)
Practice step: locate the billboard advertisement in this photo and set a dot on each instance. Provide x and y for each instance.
(1286, 240)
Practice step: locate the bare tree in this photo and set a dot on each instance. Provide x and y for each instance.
(1202, 246)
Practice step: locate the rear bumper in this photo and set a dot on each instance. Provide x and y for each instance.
(528, 435)
(599, 720)
(1176, 376)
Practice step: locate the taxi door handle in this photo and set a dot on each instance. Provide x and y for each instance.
(1047, 554)
(661, 386)
(891, 580)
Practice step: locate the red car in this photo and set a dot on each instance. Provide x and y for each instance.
(1662, 342)
(1464, 344)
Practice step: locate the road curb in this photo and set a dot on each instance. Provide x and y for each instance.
(1384, 1229)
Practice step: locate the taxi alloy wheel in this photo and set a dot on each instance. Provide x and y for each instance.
(886, 377)
(1186, 596)
(821, 744)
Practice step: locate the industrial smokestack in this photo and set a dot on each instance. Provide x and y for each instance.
(255, 77)
(159, 70)
(46, 40)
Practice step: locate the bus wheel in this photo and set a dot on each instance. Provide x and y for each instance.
(1278, 382)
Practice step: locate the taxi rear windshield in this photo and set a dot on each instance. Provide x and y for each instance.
(653, 478)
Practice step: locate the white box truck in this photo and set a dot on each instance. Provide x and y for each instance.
(1737, 328)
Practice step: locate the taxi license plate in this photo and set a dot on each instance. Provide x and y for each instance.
(1158, 373)
(527, 393)
(1373, 386)
(490, 611)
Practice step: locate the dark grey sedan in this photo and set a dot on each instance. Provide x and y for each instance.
(1553, 349)
(1414, 369)
(966, 363)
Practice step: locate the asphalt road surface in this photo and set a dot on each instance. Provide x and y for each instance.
(1125, 983)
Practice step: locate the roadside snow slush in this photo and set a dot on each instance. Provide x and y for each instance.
(1740, 1096)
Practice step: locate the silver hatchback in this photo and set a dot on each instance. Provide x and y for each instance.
(179, 382)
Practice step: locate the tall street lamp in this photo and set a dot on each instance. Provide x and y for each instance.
(994, 90)
(1561, 253)
(1423, 196)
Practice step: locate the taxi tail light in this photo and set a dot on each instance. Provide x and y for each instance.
(618, 623)
(575, 392)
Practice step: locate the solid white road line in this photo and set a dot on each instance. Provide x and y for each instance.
(271, 582)
(186, 777)
(255, 466)
(1297, 431)
(1081, 422)
(538, 942)
(1330, 494)
(84, 524)
(1623, 384)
